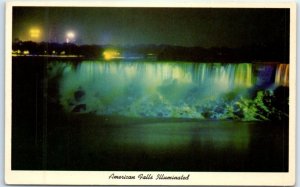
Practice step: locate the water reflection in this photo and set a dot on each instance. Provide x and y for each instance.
(183, 136)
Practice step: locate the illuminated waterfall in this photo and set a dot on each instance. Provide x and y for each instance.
(228, 75)
(160, 89)
(282, 75)
(231, 75)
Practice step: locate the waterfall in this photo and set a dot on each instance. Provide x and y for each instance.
(231, 75)
(282, 75)
(163, 89)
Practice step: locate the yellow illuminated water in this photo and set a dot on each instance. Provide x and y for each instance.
(282, 75)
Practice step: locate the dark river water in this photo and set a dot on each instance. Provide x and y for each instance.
(46, 136)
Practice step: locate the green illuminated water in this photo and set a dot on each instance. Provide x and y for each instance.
(167, 89)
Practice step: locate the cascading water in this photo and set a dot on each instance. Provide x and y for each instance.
(160, 89)
(282, 75)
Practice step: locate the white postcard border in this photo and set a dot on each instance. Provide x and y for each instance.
(102, 177)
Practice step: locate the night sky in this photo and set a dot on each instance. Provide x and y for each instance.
(205, 27)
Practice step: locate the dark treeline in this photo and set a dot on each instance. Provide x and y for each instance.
(161, 52)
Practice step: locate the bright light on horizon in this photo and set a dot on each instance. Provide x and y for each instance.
(34, 33)
(70, 36)
(110, 54)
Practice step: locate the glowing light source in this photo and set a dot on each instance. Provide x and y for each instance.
(34, 33)
(70, 36)
(110, 54)
(26, 52)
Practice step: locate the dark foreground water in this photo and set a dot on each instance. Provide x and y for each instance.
(89, 142)
(46, 138)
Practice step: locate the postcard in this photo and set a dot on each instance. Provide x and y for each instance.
(127, 93)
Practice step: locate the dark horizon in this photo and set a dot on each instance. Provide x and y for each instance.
(188, 27)
(152, 52)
